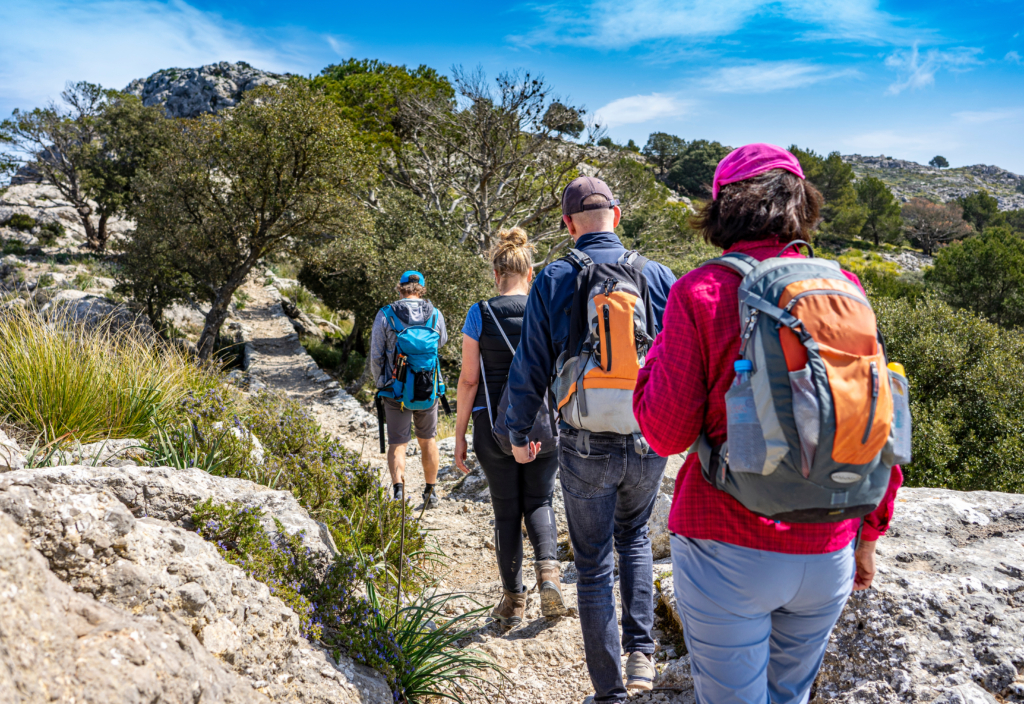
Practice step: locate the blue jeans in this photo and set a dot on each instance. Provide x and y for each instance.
(756, 623)
(608, 500)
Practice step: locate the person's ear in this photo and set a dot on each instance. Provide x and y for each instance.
(497, 278)
(529, 275)
(618, 216)
(567, 219)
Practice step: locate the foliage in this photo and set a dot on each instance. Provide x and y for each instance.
(608, 143)
(984, 274)
(694, 170)
(632, 146)
(884, 284)
(1015, 220)
(981, 210)
(279, 170)
(883, 221)
(858, 262)
(324, 353)
(489, 159)
(371, 94)
(50, 232)
(663, 149)
(939, 162)
(842, 213)
(21, 221)
(359, 272)
(61, 377)
(967, 394)
(564, 120)
(311, 305)
(929, 225)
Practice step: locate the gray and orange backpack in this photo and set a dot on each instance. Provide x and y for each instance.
(611, 327)
(811, 435)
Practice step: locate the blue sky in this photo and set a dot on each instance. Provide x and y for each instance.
(905, 79)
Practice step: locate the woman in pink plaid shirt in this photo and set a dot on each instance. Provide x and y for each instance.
(758, 598)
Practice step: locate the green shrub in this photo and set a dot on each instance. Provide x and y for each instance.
(882, 284)
(967, 394)
(20, 221)
(50, 232)
(93, 384)
(45, 281)
(14, 247)
(83, 281)
(984, 273)
(326, 355)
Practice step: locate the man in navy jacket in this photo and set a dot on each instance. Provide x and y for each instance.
(608, 494)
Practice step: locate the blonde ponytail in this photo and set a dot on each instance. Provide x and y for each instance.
(512, 253)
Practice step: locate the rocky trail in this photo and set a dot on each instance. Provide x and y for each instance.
(942, 623)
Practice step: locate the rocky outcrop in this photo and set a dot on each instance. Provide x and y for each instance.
(188, 92)
(57, 644)
(908, 179)
(116, 536)
(45, 204)
(96, 311)
(943, 621)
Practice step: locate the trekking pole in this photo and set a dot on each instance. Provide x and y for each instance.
(380, 423)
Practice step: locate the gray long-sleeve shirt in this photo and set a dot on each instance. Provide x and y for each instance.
(411, 311)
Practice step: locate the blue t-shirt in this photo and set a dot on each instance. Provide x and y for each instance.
(473, 328)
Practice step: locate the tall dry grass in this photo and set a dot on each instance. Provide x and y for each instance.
(60, 377)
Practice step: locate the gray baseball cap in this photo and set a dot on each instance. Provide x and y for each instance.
(581, 188)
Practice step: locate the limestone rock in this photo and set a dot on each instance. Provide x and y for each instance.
(176, 580)
(60, 645)
(44, 203)
(96, 311)
(188, 92)
(10, 454)
(657, 526)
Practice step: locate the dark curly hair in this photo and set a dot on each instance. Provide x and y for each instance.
(773, 204)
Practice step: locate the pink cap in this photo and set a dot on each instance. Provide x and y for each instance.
(753, 160)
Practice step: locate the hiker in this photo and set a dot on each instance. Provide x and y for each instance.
(609, 475)
(403, 360)
(763, 536)
(519, 493)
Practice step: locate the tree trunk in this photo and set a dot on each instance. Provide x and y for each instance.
(101, 232)
(214, 319)
(91, 241)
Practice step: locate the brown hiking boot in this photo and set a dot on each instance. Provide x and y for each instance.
(509, 611)
(549, 574)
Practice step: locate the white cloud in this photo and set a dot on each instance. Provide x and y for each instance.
(899, 144)
(619, 24)
(917, 70)
(48, 42)
(639, 108)
(1013, 57)
(767, 76)
(981, 117)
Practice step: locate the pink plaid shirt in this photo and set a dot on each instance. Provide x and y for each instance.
(681, 391)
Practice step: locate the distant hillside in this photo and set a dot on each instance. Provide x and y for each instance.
(908, 179)
(188, 92)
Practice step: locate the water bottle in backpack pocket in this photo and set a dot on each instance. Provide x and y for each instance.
(747, 450)
(806, 414)
(900, 437)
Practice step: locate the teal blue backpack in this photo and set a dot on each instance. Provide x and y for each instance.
(416, 374)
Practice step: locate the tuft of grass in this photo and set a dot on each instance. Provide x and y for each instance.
(93, 384)
(311, 305)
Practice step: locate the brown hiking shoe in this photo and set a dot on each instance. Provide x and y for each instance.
(549, 575)
(509, 611)
(640, 672)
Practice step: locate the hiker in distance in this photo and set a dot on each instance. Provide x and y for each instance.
(589, 320)
(403, 360)
(519, 492)
(796, 383)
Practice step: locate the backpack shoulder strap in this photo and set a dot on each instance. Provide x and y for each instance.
(393, 321)
(578, 259)
(484, 305)
(741, 263)
(634, 259)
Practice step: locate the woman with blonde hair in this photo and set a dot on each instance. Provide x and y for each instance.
(518, 492)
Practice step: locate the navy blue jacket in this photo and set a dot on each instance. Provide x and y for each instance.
(546, 326)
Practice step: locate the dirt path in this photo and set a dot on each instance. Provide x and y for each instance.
(544, 658)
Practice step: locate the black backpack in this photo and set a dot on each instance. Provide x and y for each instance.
(545, 429)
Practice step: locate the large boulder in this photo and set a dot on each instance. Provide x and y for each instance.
(57, 644)
(189, 92)
(94, 542)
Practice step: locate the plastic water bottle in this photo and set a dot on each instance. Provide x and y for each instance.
(747, 450)
(901, 436)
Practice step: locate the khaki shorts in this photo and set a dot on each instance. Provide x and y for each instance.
(400, 422)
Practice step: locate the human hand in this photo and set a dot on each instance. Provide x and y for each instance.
(526, 453)
(865, 557)
(461, 449)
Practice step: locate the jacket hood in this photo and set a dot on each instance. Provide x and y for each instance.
(413, 311)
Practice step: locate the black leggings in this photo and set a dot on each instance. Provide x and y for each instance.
(518, 491)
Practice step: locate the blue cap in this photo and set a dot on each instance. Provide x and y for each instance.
(413, 277)
(743, 365)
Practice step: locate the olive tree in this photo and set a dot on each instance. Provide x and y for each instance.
(929, 225)
(270, 175)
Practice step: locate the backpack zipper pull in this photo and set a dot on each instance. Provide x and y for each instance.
(874, 403)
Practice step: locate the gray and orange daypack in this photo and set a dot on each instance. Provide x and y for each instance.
(811, 434)
(611, 327)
